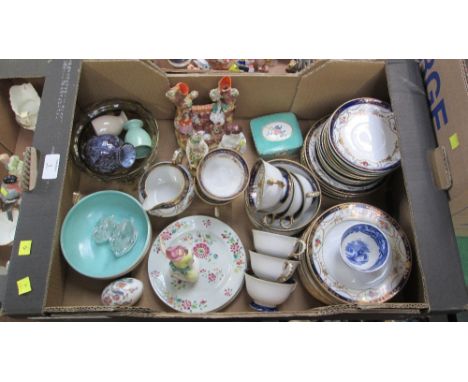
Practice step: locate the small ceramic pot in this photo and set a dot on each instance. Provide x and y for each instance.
(270, 186)
(105, 154)
(138, 137)
(364, 248)
(25, 103)
(222, 175)
(167, 188)
(278, 245)
(123, 292)
(272, 268)
(109, 124)
(267, 295)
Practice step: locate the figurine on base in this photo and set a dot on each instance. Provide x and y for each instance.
(234, 139)
(13, 164)
(182, 263)
(196, 149)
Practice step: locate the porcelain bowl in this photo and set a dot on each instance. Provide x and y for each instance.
(272, 268)
(364, 248)
(278, 245)
(97, 260)
(267, 295)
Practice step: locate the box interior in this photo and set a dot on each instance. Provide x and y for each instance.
(319, 92)
(13, 138)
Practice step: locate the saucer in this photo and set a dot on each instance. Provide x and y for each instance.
(221, 259)
(344, 284)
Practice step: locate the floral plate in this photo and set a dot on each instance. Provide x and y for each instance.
(335, 277)
(219, 254)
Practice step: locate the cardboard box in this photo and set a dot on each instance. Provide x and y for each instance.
(61, 293)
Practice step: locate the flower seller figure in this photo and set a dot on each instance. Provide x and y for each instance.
(182, 263)
(182, 98)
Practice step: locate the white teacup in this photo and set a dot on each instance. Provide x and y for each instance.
(308, 193)
(278, 245)
(270, 185)
(267, 295)
(222, 175)
(272, 268)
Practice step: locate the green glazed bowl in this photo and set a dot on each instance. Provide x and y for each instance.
(138, 137)
(97, 260)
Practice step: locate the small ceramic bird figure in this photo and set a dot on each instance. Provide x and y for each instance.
(182, 263)
(196, 149)
(234, 139)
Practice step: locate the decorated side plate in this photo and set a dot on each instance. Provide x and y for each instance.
(363, 133)
(341, 281)
(220, 257)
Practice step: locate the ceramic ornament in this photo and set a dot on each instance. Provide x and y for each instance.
(234, 139)
(123, 292)
(211, 118)
(182, 264)
(13, 164)
(196, 149)
(25, 103)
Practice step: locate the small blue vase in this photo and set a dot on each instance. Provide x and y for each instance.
(107, 153)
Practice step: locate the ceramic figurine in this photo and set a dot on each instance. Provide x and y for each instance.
(210, 118)
(196, 149)
(220, 64)
(234, 139)
(13, 164)
(182, 263)
(296, 65)
(109, 124)
(105, 154)
(10, 190)
(262, 66)
(123, 292)
(25, 103)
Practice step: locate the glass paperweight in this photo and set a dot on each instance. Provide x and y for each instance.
(123, 238)
(104, 229)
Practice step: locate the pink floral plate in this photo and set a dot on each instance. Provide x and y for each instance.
(220, 257)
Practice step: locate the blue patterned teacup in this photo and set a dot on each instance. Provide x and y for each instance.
(364, 248)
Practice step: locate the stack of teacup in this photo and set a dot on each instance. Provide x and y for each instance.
(273, 264)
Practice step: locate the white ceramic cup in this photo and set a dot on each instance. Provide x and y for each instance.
(295, 206)
(272, 268)
(309, 193)
(270, 185)
(278, 245)
(267, 295)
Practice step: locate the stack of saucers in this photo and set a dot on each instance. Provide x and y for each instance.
(355, 253)
(354, 149)
(282, 196)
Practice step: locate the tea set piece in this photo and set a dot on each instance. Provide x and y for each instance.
(294, 219)
(276, 135)
(281, 246)
(212, 119)
(270, 184)
(123, 292)
(167, 188)
(115, 140)
(272, 268)
(220, 258)
(338, 279)
(25, 103)
(109, 124)
(267, 295)
(222, 175)
(95, 260)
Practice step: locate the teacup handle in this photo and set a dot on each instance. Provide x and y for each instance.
(312, 194)
(288, 271)
(287, 221)
(268, 219)
(299, 251)
(279, 183)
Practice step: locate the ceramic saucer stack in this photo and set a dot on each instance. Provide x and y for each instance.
(282, 196)
(354, 149)
(330, 279)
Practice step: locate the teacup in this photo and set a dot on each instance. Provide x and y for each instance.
(109, 124)
(364, 248)
(267, 295)
(296, 205)
(138, 137)
(222, 175)
(166, 189)
(278, 245)
(270, 185)
(272, 268)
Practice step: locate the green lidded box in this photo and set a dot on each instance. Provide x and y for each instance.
(276, 135)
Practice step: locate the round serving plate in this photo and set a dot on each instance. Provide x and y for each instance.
(363, 134)
(257, 218)
(340, 281)
(220, 257)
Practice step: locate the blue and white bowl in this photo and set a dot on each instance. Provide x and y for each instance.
(364, 248)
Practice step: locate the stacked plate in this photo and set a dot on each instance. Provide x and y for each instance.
(328, 276)
(282, 196)
(354, 149)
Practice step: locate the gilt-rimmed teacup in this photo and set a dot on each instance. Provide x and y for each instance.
(278, 245)
(222, 175)
(272, 268)
(270, 185)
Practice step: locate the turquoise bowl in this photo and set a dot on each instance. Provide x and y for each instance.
(97, 260)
